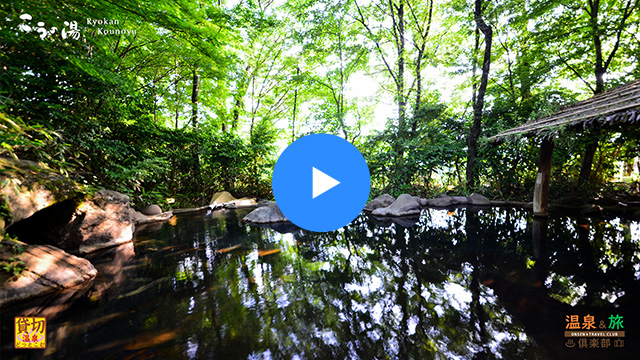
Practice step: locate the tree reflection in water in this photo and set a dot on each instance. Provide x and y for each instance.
(485, 284)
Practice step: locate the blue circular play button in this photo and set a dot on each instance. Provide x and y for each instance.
(321, 182)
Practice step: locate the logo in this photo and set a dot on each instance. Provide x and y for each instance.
(594, 333)
(93, 27)
(30, 332)
(72, 32)
(321, 182)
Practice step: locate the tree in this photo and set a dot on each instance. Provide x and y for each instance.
(331, 61)
(591, 39)
(478, 96)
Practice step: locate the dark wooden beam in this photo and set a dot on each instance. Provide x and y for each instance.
(541, 190)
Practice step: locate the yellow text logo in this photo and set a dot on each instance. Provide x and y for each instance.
(30, 333)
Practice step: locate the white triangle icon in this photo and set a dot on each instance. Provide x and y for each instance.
(322, 182)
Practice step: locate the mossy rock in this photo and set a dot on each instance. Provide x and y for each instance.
(26, 187)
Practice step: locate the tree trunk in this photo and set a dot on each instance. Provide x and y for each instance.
(195, 91)
(421, 50)
(238, 104)
(478, 103)
(400, 84)
(587, 160)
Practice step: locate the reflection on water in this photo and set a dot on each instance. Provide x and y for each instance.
(450, 284)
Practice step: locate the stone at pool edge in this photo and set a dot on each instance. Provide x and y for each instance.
(142, 219)
(28, 187)
(266, 213)
(49, 269)
(381, 201)
(404, 205)
(224, 199)
(103, 221)
(446, 201)
(221, 197)
(81, 225)
(152, 209)
(478, 200)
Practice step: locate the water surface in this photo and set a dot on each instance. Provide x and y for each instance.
(461, 284)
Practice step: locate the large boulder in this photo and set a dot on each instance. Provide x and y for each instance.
(381, 201)
(102, 221)
(478, 200)
(152, 209)
(265, 214)
(48, 269)
(27, 188)
(404, 205)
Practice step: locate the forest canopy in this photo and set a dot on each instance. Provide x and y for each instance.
(184, 98)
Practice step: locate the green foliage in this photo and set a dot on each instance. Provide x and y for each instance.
(429, 159)
(14, 266)
(194, 98)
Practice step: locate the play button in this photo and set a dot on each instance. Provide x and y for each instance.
(321, 182)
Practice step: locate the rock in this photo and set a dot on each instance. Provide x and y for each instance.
(499, 203)
(191, 210)
(80, 225)
(404, 205)
(460, 200)
(49, 269)
(478, 200)
(441, 201)
(138, 216)
(241, 204)
(224, 199)
(381, 201)
(269, 213)
(423, 202)
(141, 219)
(221, 197)
(103, 221)
(152, 209)
(28, 188)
